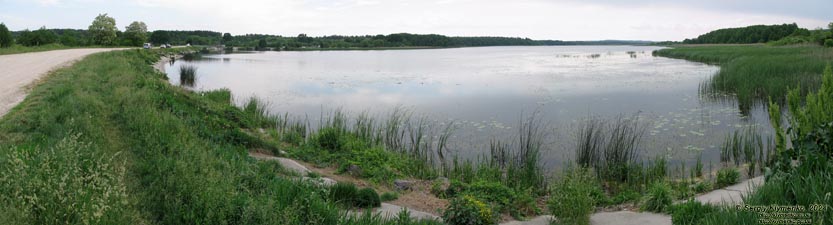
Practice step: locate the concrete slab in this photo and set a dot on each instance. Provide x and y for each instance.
(540, 220)
(629, 218)
(392, 211)
(733, 194)
(289, 164)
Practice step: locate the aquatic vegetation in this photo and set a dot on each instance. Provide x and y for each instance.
(609, 147)
(747, 146)
(755, 73)
(187, 75)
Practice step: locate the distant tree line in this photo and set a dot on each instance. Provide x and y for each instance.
(102, 32)
(745, 35)
(776, 35)
(277, 42)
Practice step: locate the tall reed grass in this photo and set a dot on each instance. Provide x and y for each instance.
(187, 75)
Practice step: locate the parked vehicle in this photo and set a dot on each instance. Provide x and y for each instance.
(147, 46)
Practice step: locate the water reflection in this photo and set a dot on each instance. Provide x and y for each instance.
(486, 89)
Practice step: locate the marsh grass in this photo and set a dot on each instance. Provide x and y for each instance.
(747, 146)
(187, 75)
(755, 73)
(610, 147)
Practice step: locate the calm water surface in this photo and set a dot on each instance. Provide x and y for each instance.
(485, 91)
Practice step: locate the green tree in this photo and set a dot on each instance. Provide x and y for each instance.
(159, 37)
(227, 38)
(136, 33)
(39, 37)
(5, 36)
(103, 30)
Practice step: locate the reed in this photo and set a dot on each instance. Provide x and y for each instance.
(187, 75)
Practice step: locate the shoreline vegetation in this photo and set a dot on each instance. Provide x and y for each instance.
(109, 140)
(753, 74)
(151, 128)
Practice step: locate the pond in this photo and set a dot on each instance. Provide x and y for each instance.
(486, 90)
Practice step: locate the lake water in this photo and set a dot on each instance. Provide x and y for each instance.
(485, 91)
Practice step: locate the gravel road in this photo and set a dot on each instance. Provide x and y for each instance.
(19, 70)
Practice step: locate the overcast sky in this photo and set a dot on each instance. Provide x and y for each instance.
(537, 19)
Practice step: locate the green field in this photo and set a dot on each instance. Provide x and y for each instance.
(757, 72)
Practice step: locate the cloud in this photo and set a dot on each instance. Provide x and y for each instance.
(538, 19)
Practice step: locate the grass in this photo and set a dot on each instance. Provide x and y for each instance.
(800, 175)
(754, 73)
(17, 49)
(187, 75)
(109, 141)
(570, 201)
(747, 146)
(611, 148)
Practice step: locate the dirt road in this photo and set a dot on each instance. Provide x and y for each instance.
(19, 70)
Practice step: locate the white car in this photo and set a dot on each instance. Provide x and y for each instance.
(147, 46)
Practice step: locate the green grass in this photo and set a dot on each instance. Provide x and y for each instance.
(17, 49)
(110, 141)
(755, 72)
(800, 175)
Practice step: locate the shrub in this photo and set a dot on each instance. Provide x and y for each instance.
(626, 196)
(454, 188)
(330, 139)
(389, 196)
(343, 193)
(570, 201)
(689, 213)
(828, 43)
(658, 198)
(492, 192)
(469, 211)
(367, 197)
(701, 186)
(524, 204)
(727, 177)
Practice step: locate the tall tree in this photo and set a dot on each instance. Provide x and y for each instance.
(136, 33)
(41, 36)
(5, 36)
(227, 38)
(103, 30)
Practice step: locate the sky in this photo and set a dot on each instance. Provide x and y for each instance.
(655, 20)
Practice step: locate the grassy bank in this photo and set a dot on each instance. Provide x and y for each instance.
(756, 72)
(16, 49)
(109, 141)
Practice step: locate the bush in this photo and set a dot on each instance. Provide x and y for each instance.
(469, 211)
(828, 43)
(492, 192)
(343, 193)
(570, 199)
(389, 196)
(727, 177)
(658, 198)
(626, 196)
(689, 213)
(366, 198)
